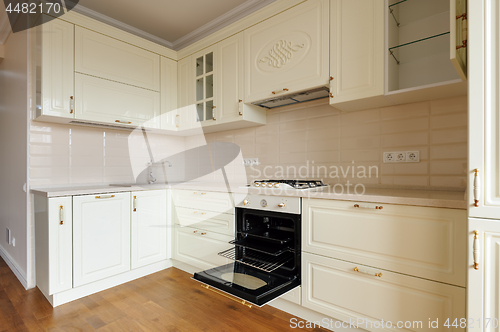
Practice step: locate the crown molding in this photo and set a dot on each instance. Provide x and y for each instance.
(5, 28)
(120, 25)
(235, 14)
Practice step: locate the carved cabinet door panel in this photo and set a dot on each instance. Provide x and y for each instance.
(288, 52)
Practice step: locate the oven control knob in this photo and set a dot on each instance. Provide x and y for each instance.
(263, 203)
(281, 205)
(246, 202)
(256, 184)
(270, 185)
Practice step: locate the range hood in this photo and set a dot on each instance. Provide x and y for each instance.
(294, 98)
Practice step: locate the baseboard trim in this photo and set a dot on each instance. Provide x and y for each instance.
(100, 285)
(14, 267)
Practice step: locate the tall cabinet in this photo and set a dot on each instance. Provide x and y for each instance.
(484, 155)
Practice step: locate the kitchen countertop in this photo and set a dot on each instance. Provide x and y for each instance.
(413, 197)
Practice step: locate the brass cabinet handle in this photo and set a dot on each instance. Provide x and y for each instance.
(195, 192)
(195, 231)
(279, 91)
(126, 122)
(203, 233)
(476, 253)
(239, 101)
(177, 120)
(105, 196)
(71, 104)
(331, 95)
(202, 213)
(213, 118)
(378, 207)
(134, 204)
(331, 78)
(61, 215)
(243, 302)
(365, 272)
(476, 187)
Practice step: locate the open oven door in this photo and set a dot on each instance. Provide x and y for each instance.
(250, 285)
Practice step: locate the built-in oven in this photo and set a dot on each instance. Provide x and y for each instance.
(266, 252)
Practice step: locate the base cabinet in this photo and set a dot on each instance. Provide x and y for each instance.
(54, 245)
(348, 292)
(199, 248)
(483, 290)
(149, 227)
(101, 236)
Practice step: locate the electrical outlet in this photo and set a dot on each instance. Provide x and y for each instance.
(413, 156)
(9, 241)
(250, 161)
(255, 161)
(402, 157)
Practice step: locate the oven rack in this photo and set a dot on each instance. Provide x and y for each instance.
(258, 260)
(266, 247)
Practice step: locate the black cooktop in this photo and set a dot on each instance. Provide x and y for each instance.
(296, 183)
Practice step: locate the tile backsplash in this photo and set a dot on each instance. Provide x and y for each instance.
(311, 140)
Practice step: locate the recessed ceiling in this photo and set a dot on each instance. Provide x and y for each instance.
(172, 23)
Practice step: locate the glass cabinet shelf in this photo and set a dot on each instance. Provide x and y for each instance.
(205, 87)
(421, 48)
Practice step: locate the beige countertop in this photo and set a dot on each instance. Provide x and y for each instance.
(413, 197)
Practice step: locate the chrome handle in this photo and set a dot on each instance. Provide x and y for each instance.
(71, 104)
(279, 91)
(366, 272)
(377, 207)
(134, 204)
(125, 122)
(475, 251)
(105, 196)
(476, 187)
(61, 215)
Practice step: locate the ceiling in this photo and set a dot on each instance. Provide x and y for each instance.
(171, 23)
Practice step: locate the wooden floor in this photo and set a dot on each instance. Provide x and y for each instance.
(165, 301)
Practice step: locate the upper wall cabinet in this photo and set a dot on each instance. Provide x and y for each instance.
(55, 74)
(288, 52)
(357, 54)
(106, 57)
(168, 93)
(204, 66)
(422, 37)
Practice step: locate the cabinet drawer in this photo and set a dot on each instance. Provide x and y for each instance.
(334, 288)
(199, 248)
(106, 57)
(110, 102)
(204, 200)
(222, 223)
(420, 241)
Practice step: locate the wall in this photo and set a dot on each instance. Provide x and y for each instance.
(13, 151)
(322, 137)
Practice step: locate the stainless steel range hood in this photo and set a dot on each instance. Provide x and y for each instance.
(294, 98)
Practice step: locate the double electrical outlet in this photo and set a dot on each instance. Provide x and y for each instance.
(250, 161)
(402, 157)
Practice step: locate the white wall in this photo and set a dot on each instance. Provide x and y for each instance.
(13, 151)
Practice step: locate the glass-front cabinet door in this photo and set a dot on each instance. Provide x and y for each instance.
(204, 64)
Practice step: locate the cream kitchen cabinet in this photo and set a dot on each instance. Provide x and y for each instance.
(357, 54)
(484, 111)
(348, 292)
(103, 101)
(422, 58)
(483, 274)
(221, 202)
(55, 63)
(199, 248)
(105, 57)
(205, 75)
(54, 245)
(288, 52)
(186, 112)
(168, 94)
(149, 227)
(101, 236)
(231, 111)
(390, 238)
(222, 223)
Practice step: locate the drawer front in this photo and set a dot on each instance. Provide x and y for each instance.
(106, 57)
(204, 200)
(334, 288)
(199, 248)
(110, 102)
(424, 242)
(221, 223)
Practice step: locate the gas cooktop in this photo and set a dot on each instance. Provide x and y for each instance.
(314, 185)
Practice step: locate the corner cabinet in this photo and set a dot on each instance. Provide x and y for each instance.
(101, 236)
(357, 54)
(288, 52)
(168, 93)
(55, 64)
